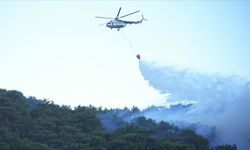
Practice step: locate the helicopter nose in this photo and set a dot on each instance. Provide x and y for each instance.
(108, 24)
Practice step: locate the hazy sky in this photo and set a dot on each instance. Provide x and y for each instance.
(56, 50)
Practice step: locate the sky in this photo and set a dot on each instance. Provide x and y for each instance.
(56, 49)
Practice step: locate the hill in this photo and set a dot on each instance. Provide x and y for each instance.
(29, 123)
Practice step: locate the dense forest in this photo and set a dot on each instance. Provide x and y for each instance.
(32, 124)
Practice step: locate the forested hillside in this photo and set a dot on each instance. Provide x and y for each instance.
(31, 124)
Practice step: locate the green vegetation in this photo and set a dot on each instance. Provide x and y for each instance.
(31, 124)
(226, 147)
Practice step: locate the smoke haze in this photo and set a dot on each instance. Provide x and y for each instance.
(217, 101)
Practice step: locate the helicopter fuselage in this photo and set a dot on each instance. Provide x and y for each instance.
(116, 23)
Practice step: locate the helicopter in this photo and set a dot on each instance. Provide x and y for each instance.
(118, 23)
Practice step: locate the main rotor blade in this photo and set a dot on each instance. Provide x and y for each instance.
(129, 14)
(118, 12)
(104, 17)
(102, 24)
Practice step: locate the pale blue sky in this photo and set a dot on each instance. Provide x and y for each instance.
(56, 49)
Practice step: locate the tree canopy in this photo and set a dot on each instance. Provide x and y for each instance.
(32, 124)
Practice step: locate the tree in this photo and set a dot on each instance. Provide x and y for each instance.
(226, 147)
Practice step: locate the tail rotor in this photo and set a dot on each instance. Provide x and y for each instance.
(143, 18)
